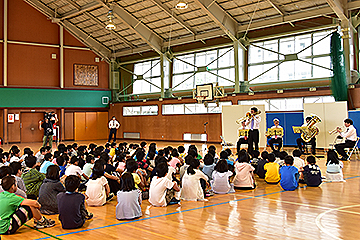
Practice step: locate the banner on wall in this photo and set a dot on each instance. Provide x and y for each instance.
(11, 118)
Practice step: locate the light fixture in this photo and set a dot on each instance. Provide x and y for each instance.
(110, 25)
(182, 4)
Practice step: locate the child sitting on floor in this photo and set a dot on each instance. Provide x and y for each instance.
(162, 189)
(312, 173)
(98, 190)
(209, 165)
(33, 179)
(289, 175)
(260, 171)
(220, 178)
(272, 175)
(128, 198)
(49, 190)
(71, 205)
(15, 211)
(192, 190)
(334, 167)
(244, 178)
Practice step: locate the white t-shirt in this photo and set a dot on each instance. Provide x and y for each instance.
(157, 191)
(73, 170)
(220, 182)
(171, 170)
(299, 163)
(96, 191)
(14, 159)
(191, 187)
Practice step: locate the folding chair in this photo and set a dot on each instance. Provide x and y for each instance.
(354, 149)
(225, 144)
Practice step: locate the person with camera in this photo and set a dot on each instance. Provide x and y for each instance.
(48, 131)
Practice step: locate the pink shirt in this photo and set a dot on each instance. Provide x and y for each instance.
(244, 176)
(174, 161)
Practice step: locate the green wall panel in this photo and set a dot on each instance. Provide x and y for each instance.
(52, 98)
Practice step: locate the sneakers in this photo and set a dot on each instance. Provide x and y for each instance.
(89, 216)
(111, 195)
(45, 223)
(174, 201)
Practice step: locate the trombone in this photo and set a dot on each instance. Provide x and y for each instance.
(335, 130)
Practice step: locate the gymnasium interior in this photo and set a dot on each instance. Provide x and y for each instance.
(146, 61)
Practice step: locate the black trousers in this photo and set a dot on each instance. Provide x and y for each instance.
(239, 142)
(340, 147)
(301, 144)
(253, 140)
(275, 140)
(112, 132)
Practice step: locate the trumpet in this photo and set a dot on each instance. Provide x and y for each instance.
(335, 130)
(247, 116)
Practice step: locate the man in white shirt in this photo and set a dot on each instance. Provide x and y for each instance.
(253, 124)
(113, 126)
(276, 138)
(350, 139)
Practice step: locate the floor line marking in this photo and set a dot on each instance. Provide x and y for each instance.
(322, 228)
(181, 211)
(48, 234)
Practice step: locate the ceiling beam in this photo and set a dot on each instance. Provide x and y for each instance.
(78, 11)
(286, 19)
(128, 43)
(147, 35)
(279, 9)
(227, 23)
(89, 41)
(174, 16)
(340, 9)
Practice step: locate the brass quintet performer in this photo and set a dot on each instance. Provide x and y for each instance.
(276, 138)
(310, 135)
(253, 124)
(350, 136)
(242, 139)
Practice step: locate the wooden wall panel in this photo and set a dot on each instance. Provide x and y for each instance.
(69, 126)
(102, 125)
(79, 126)
(1, 63)
(29, 25)
(32, 66)
(13, 128)
(72, 56)
(91, 126)
(30, 127)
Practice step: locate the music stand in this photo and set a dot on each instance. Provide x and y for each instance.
(300, 129)
(243, 132)
(275, 132)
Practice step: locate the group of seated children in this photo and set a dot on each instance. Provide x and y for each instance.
(51, 183)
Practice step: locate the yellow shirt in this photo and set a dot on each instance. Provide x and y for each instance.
(112, 152)
(272, 172)
(137, 179)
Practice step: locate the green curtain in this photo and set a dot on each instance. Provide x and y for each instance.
(338, 81)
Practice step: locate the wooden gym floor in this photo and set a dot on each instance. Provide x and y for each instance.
(331, 211)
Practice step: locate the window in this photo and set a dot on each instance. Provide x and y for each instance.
(287, 104)
(265, 65)
(193, 108)
(141, 110)
(147, 77)
(219, 65)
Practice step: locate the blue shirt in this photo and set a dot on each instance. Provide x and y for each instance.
(45, 166)
(289, 177)
(208, 170)
(62, 170)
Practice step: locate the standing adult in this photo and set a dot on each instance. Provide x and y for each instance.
(113, 126)
(48, 131)
(253, 124)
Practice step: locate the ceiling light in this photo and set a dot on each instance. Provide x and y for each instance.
(181, 5)
(110, 24)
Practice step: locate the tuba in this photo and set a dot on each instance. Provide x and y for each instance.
(311, 131)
